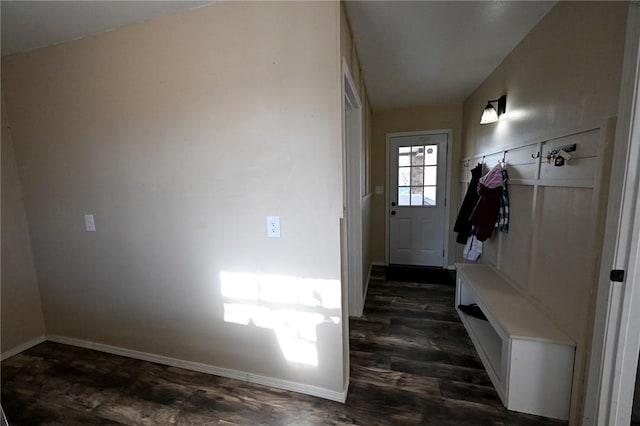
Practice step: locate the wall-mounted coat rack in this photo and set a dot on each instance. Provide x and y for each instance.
(565, 148)
(503, 161)
(560, 155)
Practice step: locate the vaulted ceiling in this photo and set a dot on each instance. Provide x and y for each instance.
(412, 53)
(29, 25)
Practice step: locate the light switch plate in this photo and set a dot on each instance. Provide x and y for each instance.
(379, 189)
(89, 223)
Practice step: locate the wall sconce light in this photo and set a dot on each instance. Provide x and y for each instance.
(490, 114)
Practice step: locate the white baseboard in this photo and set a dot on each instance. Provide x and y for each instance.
(206, 368)
(23, 347)
(297, 387)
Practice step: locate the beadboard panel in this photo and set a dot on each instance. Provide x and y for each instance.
(561, 279)
(515, 246)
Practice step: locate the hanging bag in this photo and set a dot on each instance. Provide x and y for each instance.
(473, 249)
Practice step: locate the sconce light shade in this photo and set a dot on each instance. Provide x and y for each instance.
(490, 114)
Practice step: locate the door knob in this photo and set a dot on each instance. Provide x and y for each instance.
(393, 204)
(393, 212)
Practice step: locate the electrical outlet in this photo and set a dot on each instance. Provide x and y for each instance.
(273, 226)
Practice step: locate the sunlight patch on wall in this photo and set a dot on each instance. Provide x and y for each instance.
(292, 307)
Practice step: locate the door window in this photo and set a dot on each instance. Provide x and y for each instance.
(417, 175)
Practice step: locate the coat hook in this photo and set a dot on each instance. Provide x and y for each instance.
(536, 155)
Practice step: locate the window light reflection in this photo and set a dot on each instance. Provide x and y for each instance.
(292, 307)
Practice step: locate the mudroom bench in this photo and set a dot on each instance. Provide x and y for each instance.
(528, 358)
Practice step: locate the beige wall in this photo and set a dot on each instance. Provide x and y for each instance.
(181, 135)
(435, 117)
(22, 318)
(563, 78)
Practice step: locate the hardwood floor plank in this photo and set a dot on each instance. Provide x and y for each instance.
(449, 412)
(368, 404)
(412, 290)
(408, 303)
(408, 351)
(372, 360)
(136, 411)
(458, 373)
(49, 411)
(431, 326)
(249, 405)
(432, 346)
(432, 312)
(469, 392)
(394, 380)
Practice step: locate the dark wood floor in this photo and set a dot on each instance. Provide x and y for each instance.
(411, 364)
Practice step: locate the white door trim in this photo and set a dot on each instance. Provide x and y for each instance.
(352, 150)
(447, 203)
(616, 340)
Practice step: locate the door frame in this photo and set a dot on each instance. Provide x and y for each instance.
(447, 188)
(616, 341)
(352, 194)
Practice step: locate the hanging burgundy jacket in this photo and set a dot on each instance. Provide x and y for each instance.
(485, 214)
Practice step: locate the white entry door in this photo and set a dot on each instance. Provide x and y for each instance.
(417, 172)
